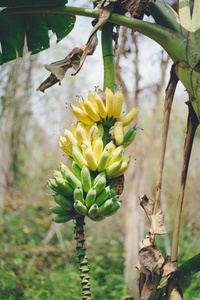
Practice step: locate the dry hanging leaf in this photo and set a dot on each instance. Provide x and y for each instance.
(151, 258)
(150, 287)
(148, 206)
(157, 224)
(169, 266)
(134, 288)
(173, 291)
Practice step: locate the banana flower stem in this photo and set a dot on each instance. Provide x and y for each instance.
(108, 56)
(83, 263)
(191, 129)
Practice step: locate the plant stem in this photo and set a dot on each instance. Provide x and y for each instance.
(108, 56)
(170, 90)
(191, 129)
(83, 263)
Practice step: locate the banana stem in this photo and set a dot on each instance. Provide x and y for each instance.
(83, 263)
(170, 90)
(108, 56)
(191, 129)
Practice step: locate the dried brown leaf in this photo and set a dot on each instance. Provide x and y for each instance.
(148, 205)
(146, 242)
(151, 258)
(173, 291)
(150, 287)
(169, 266)
(157, 224)
(134, 288)
(140, 266)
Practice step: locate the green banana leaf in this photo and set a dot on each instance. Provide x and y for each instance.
(35, 27)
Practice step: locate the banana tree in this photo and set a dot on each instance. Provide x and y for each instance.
(178, 34)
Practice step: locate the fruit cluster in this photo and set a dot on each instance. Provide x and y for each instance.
(95, 146)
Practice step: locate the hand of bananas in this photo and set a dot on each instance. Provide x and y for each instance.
(95, 146)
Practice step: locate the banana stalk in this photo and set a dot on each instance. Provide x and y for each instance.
(82, 258)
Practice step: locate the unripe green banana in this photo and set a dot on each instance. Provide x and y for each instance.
(80, 208)
(112, 169)
(116, 155)
(63, 201)
(124, 167)
(72, 179)
(103, 196)
(90, 197)
(78, 194)
(113, 210)
(97, 218)
(57, 173)
(112, 192)
(93, 211)
(57, 188)
(100, 185)
(65, 218)
(129, 136)
(64, 185)
(103, 160)
(86, 179)
(105, 207)
(76, 170)
(98, 177)
(59, 210)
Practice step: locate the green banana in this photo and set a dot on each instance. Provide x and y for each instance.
(72, 179)
(112, 169)
(113, 210)
(98, 218)
(57, 174)
(129, 136)
(78, 194)
(56, 188)
(93, 211)
(80, 208)
(100, 185)
(98, 177)
(103, 160)
(63, 201)
(64, 218)
(90, 197)
(105, 207)
(76, 170)
(103, 196)
(86, 179)
(64, 186)
(116, 155)
(112, 192)
(124, 167)
(59, 210)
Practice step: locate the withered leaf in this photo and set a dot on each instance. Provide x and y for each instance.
(134, 288)
(148, 205)
(145, 243)
(150, 287)
(173, 291)
(169, 267)
(157, 224)
(151, 258)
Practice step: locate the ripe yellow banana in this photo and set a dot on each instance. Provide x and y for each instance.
(100, 107)
(109, 102)
(80, 135)
(100, 130)
(118, 102)
(86, 128)
(110, 147)
(73, 129)
(91, 111)
(98, 148)
(130, 116)
(81, 115)
(116, 155)
(92, 100)
(85, 144)
(118, 132)
(91, 160)
(66, 148)
(78, 157)
(69, 137)
(93, 134)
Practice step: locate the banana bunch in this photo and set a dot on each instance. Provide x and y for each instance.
(79, 192)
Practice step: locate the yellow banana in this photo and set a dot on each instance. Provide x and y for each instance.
(81, 115)
(66, 148)
(73, 129)
(78, 157)
(130, 116)
(91, 160)
(118, 102)
(109, 102)
(85, 145)
(118, 132)
(100, 107)
(93, 134)
(86, 128)
(116, 155)
(80, 135)
(98, 148)
(69, 137)
(110, 147)
(100, 130)
(91, 111)
(92, 100)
